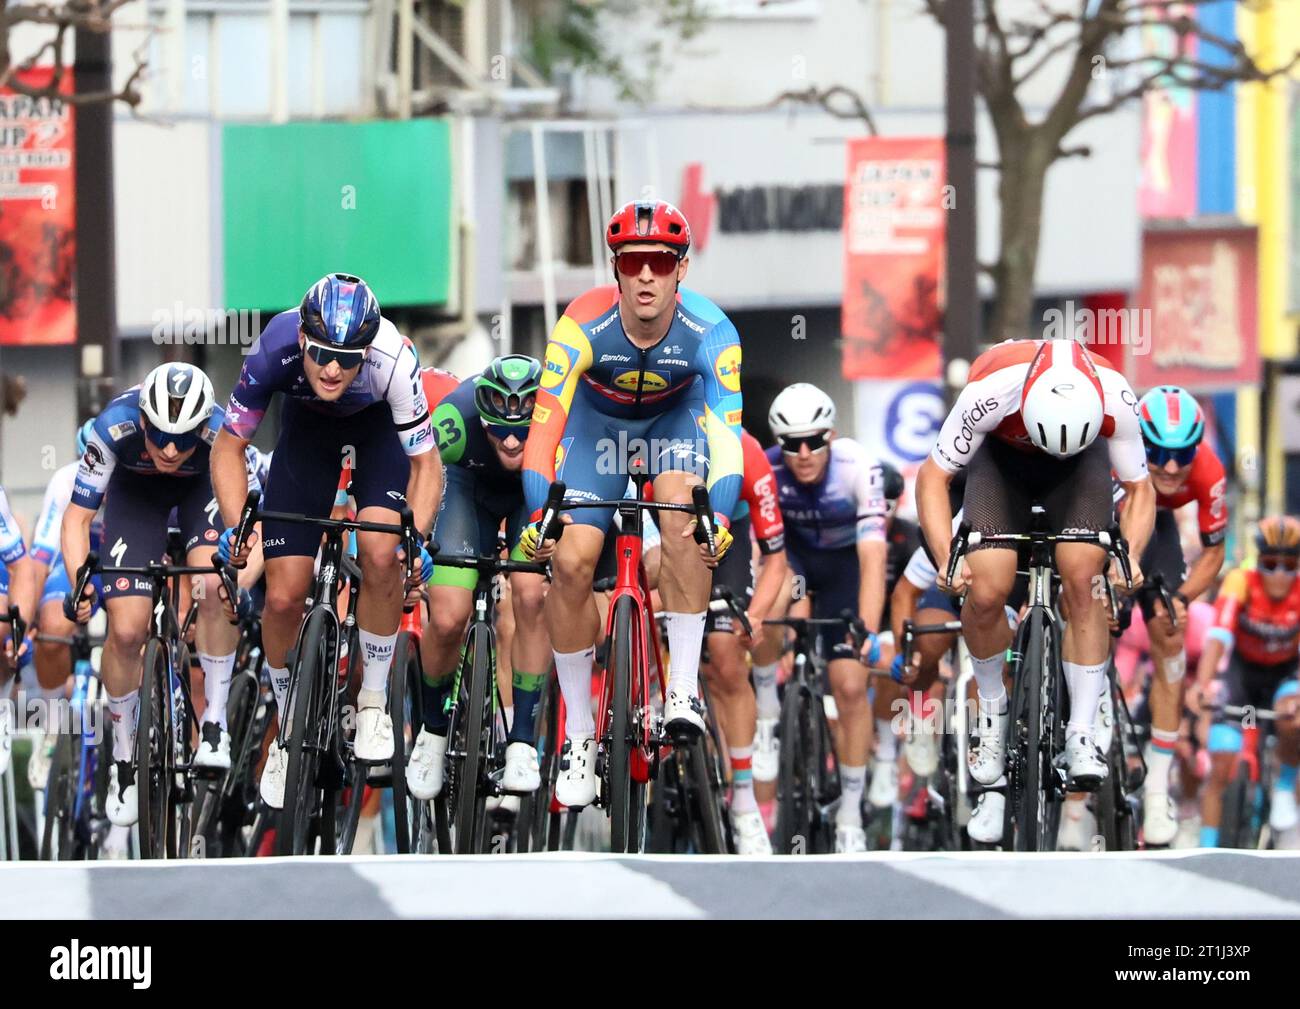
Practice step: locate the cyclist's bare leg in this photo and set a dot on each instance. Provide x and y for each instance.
(288, 580)
(215, 637)
(1085, 646)
(53, 661)
(440, 643)
(1221, 765)
(128, 629)
(530, 653)
(729, 688)
(573, 622)
(769, 642)
(1169, 664)
(379, 603)
(505, 623)
(684, 582)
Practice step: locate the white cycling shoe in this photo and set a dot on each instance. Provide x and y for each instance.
(576, 785)
(849, 839)
(1159, 818)
(522, 773)
(424, 767)
(373, 743)
(1085, 767)
(274, 771)
(1283, 814)
(986, 818)
(767, 750)
(1077, 827)
(122, 802)
(38, 766)
(987, 758)
(921, 748)
(750, 834)
(214, 748)
(884, 784)
(1104, 726)
(683, 713)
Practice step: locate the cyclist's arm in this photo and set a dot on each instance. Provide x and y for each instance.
(1221, 635)
(229, 472)
(1212, 519)
(902, 607)
(13, 550)
(410, 410)
(1204, 570)
(934, 509)
(424, 488)
(872, 557)
(568, 355)
(767, 589)
(76, 537)
(720, 365)
(93, 474)
(1139, 515)
(759, 491)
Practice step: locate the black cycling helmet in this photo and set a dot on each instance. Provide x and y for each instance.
(506, 390)
(893, 481)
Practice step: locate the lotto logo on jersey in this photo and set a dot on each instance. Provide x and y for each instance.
(727, 368)
(649, 381)
(556, 367)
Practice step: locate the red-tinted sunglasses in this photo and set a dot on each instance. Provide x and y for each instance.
(1287, 562)
(630, 264)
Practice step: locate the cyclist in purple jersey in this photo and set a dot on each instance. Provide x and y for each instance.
(352, 392)
(147, 454)
(832, 496)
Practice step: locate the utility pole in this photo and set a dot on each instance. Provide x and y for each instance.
(96, 284)
(962, 309)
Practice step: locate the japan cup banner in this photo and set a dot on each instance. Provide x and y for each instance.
(37, 214)
(898, 421)
(893, 257)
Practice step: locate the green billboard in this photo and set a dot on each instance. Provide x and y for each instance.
(305, 199)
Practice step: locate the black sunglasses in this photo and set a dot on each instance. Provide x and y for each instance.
(1286, 562)
(347, 358)
(815, 442)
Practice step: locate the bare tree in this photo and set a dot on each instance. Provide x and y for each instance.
(1087, 39)
(79, 15)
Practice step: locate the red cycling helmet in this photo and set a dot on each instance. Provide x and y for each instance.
(649, 221)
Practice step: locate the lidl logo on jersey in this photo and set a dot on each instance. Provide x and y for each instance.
(649, 381)
(556, 367)
(733, 417)
(728, 368)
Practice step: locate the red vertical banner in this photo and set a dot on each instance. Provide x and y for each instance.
(37, 213)
(893, 257)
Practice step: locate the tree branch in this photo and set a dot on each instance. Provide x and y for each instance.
(810, 96)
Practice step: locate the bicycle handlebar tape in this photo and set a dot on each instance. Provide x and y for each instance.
(551, 513)
(248, 518)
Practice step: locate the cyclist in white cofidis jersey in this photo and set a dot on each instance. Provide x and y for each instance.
(832, 497)
(1061, 420)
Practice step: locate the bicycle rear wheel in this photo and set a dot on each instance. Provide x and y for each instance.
(707, 805)
(154, 775)
(310, 686)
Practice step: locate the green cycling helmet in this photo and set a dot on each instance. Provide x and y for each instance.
(507, 389)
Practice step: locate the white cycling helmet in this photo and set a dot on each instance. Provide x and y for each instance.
(1062, 404)
(176, 398)
(801, 409)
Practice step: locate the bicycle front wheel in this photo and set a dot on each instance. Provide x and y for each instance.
(154, 776)
(627, 798)
(470, 801)
(404, 705)
(310, 685)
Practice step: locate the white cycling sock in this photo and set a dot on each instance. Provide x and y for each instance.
(280, 687)
(886, 741)
(124, 711)
(1160, 757)
(217, 673)
(742, 779)
(574, 672)
(1085, 684)
(769, 705)
(988, 678)
(377, 655)
(685, 639)
(853, 781)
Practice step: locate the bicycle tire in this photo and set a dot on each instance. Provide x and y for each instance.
(153, 749)
(60, 798)
(534, 808)
(1115, 815)
(180, 814)
(796, 781)
(470, 801)
(309, 686)
(707, 805)
(404, 707)
(1234, 821)
(1025, 727)
(621, 790)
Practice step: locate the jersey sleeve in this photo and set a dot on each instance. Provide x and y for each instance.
(12, 547)
(96, 467)
(406, 399)
(1128, 456)
(46, 539)
(760, 492)
(1233, 594)
(719, 363)
(920, 570)
(568, 355)
(251, 396)
(1211, 496)
(869, 487)
(979, 409)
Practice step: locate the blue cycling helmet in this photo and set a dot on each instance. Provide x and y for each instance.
(83, 436)
(1171, 418)
(340, 310)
